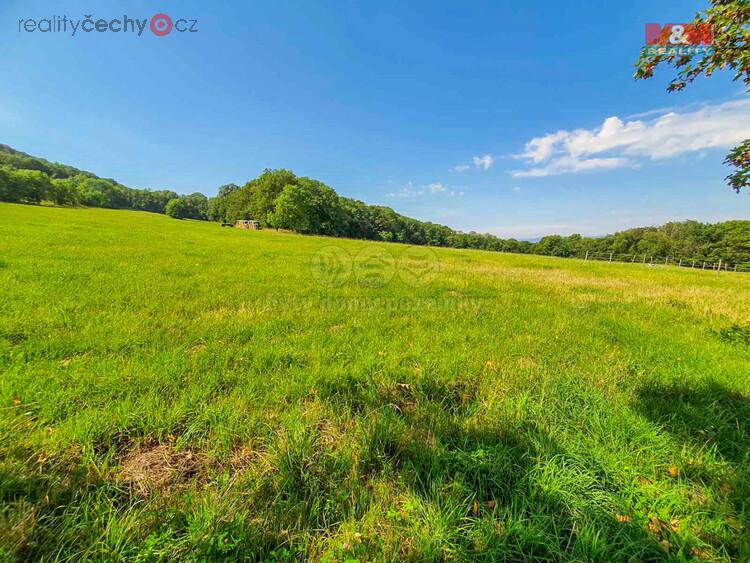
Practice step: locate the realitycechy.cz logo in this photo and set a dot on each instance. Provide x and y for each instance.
(159, 24)
(679, 39)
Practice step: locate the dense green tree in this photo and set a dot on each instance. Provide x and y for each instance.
(294, 210)
(7, 188)
(147, 200)
(263, 192)
(308, 207)
(654, 243)
(218, 206)
(193, 206)
(739, 159)
(27, 186)
(554, 245)
(730, 241)
(63, 192)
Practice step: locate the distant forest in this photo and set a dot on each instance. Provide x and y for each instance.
(280, 199)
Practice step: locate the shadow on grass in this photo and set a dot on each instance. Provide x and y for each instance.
(498, 491)
(708, 416)
(463, 487)
(63, 513)
(714, 422)
(32, 493)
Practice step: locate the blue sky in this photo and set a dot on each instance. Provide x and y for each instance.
(486, 116)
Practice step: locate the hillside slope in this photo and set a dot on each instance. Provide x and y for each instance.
(280, 198)
(174, 389)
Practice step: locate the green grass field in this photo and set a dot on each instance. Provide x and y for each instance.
(174, 389)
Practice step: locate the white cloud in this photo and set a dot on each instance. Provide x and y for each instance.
(483, 162)
(410, 191)
(618, 144)
(650, 113)
(569, 164)
(407, 192)
(480, 162)
(539, 149)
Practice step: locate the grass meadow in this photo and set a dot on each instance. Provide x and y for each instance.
(178, 390)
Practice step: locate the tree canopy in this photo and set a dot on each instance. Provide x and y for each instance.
(28, 179)
(309, 206)
(193, 206)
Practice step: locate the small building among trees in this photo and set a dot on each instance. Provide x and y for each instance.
(249, 224)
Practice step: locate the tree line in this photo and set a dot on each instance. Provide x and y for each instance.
(28, 179)
(280, 199)
(689, 240)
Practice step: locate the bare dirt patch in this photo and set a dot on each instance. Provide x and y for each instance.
(157, 468)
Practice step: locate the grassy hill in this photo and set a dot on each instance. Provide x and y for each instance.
(174, 389)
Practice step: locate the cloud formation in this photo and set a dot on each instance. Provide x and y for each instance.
(483, 162)
(619, 144)
(480, 163)
(410, 191)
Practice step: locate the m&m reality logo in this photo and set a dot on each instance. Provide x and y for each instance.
(679, 39)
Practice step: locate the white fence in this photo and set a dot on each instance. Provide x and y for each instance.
(696, 263)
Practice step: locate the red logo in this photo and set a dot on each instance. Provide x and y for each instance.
(676, 34)
(161, 25)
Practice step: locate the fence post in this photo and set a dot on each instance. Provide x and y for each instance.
(644, 258)
(652, 260)
(610, 256)
(693, 266)
(680, 264)
(633, 260)
(719, 268)
(587, 256)
(666, 260)
(704, 264)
